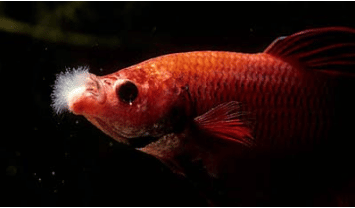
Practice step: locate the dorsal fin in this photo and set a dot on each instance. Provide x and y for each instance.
(225, 121)
(330, 49)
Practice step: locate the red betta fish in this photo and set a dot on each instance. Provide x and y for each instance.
(208, 105)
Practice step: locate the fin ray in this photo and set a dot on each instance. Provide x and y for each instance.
(226, 122)
(318, 48)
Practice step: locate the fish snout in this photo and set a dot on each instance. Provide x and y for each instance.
(86, 99)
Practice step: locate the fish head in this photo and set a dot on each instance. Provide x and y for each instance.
(140, 104)
(136, 105)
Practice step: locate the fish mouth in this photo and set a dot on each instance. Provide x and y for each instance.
(141, 142)
(95, 87)
(84, 98)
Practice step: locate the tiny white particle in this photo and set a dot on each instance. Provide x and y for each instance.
(39, 179)
(53, 173)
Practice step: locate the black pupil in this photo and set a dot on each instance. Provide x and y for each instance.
(128, 92)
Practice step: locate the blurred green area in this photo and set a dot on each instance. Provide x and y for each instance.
(234, 26)
(52, 21)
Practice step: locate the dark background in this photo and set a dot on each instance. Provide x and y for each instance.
(49, 160)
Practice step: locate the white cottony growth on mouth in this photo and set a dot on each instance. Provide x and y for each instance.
(65, 83)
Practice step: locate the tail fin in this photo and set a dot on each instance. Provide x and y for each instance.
(330, 49)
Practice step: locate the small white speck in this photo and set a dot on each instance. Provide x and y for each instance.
(101, 69)
(77, 121)
(53, 173)
(111, 144)
(39, 179)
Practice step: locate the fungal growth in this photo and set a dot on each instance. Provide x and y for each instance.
(66, 85)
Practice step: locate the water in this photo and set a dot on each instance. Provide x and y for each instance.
(49, 160)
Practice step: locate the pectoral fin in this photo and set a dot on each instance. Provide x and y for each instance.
(227, 122)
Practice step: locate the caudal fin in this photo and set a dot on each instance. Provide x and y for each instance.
(330, 49)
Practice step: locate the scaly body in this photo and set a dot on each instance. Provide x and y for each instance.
(289, 107)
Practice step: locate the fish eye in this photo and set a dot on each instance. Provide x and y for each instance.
(127, 92)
